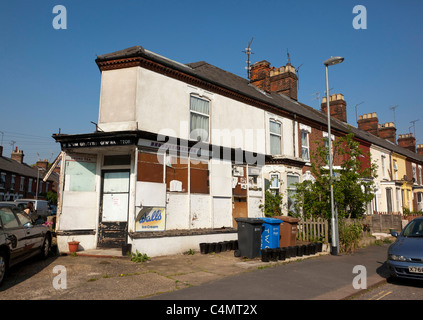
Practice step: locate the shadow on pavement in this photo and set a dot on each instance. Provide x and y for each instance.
(27, 269)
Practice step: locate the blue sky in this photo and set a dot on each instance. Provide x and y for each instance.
(49, 80)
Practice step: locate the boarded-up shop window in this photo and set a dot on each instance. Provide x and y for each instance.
(176, 174)
(199, 176)
(80, 172)
(150, 167)
(239, 181)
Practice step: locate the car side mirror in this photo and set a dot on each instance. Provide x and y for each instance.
(394, 233)
(28, 225)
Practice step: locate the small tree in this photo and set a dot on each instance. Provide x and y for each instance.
(272, 204)
(353, 182)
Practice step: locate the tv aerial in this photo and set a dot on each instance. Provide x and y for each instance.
(248, 52)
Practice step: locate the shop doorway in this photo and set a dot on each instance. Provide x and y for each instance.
(113, 224)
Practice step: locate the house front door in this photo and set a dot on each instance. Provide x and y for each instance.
(114, 207)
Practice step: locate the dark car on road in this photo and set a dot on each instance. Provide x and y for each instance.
(405, 255)
(20, 238)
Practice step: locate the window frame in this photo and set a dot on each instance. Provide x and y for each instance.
(277, 135)
(277, 186)
(191, 111)
(305, 147)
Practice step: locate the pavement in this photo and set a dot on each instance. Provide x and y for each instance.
(106, 275)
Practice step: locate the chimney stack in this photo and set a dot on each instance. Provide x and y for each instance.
(284, 80)
(260, 75)
(42, 164)
(407, 141)
(369, 123)
(388, 131)
(270, 79)
(338, 106)
(1, 151)
(17, 155)
(420, 149)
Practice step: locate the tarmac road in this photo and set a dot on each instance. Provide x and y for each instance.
(324, 278)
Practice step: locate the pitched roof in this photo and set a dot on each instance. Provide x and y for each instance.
(230, 81)
(23, 169)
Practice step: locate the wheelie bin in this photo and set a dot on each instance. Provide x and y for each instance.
(270, 233)
(249, 237)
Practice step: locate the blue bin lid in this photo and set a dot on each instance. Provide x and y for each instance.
(272, 220)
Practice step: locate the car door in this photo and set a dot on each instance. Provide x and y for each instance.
(14, 233)
(33, 236)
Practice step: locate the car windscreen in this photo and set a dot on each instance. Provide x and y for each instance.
(414, 229)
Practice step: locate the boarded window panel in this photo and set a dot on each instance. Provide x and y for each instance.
(240, 178)
(199, 177)
(149, 167)
(177, 170)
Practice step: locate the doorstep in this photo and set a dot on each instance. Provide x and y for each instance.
(100, 253)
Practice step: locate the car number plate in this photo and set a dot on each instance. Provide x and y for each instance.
(415, 269)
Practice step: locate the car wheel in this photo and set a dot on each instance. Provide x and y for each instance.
(3, 266)
(45, 249)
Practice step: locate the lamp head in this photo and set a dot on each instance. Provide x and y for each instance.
(332, 61)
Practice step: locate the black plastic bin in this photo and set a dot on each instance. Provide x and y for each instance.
(249, 237)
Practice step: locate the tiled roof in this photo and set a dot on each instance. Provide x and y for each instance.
(225, 79)
(23, 169)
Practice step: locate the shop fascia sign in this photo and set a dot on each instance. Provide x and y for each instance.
(98, 143)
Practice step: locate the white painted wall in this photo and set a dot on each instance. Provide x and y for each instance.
(177, 211)
(119, 89)
(177, 245)
(134, 98)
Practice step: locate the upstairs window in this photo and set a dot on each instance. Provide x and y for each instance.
(305, 145)
(395, 170)
(275, 129)
(199, 119)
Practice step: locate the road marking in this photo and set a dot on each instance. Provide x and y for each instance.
(380, 295)
(389, 292)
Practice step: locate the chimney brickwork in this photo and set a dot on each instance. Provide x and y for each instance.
(270, 79)
(42, 164)
(369, 123)
(337, 105)
(17, 155)
(407, 141)
(388, 131)
(420, 149)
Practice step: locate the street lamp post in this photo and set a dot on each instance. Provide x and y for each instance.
(334, 220)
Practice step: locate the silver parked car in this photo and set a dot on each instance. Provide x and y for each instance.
(405, 255)
(20, 239)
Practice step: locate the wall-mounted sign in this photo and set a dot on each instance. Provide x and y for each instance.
(99, 143)
(151, 219)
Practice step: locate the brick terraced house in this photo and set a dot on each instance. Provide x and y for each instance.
(181, 150)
